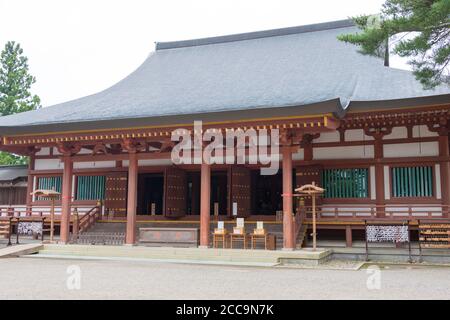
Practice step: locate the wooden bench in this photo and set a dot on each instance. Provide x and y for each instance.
(5, 228)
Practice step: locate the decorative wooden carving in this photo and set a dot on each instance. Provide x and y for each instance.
(378, 132)
(133, 145)
(99, 148)
(441, 128)
(68, 148)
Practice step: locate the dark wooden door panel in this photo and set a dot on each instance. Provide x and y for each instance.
(175, 192)
(240, 183)
(307, 175)
(116, 193)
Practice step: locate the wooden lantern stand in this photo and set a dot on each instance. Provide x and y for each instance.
(311, 190)
(52, 195)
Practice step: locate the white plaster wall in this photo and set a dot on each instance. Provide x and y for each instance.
(300, 155)
(94, 164)
(422, 131)
(387, 185)
(356, 135)
(150, 162)
(85, 151)
(348, 152)
(328, 137)
(437, 172)
(48, 164)
(397, 133)
(411, 149)
(55, 151)
(373, 191)
(43, 152)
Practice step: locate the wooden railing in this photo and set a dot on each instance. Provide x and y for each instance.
(37, 210)
(87, 220)
(374, 212)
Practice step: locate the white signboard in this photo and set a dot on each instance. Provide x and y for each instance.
(30, 228)
(220, 225)
(387, 233)
(235, 209)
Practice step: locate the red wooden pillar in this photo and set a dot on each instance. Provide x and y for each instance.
(205, 194)
(445, 171)
(348, 236)
(288, 225)
(66, 199)
(30, 186)
(132, 198)
(379, 176)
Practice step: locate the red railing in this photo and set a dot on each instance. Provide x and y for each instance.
(87, 220)
(37, 210)
(374, 212)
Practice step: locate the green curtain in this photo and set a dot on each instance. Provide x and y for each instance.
(90, 188)
(345, 183)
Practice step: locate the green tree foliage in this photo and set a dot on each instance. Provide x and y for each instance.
(418, 29)
(15, 95)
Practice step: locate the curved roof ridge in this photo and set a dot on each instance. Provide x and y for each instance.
(255, 35)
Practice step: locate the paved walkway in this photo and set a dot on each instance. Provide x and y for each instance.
(24, 278)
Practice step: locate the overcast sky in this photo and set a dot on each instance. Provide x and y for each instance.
(79, 47)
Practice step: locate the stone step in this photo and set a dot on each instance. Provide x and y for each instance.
(171, 256)
(155, 250)
(194, 254)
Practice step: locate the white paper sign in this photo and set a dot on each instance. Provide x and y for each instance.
(240, 222)
(259, 225)
(220, 225)
(235, 208)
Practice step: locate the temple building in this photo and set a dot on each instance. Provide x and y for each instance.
(370, 135)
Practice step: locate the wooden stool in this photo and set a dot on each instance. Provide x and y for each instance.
(220, 238)
(237, 237)
(257, 237)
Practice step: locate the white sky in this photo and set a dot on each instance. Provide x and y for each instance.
(79, 47)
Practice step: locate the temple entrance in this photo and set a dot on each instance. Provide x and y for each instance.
(219, 193)
(150, 194)
(266, 193)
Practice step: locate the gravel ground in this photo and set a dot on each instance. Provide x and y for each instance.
(24, 278)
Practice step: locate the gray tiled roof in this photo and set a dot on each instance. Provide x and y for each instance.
(277, 68)
(10, 173)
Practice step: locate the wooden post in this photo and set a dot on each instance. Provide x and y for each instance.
(76, 226)
(66, 199)
(30, 186)
(52, 220)
(445, 172)
(314, 234)
(288, 225)
(205, 194)
(132, 198)
(348, 236)
(379, 176)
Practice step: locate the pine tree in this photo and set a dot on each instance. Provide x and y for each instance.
(424, 26)
(15, 85)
